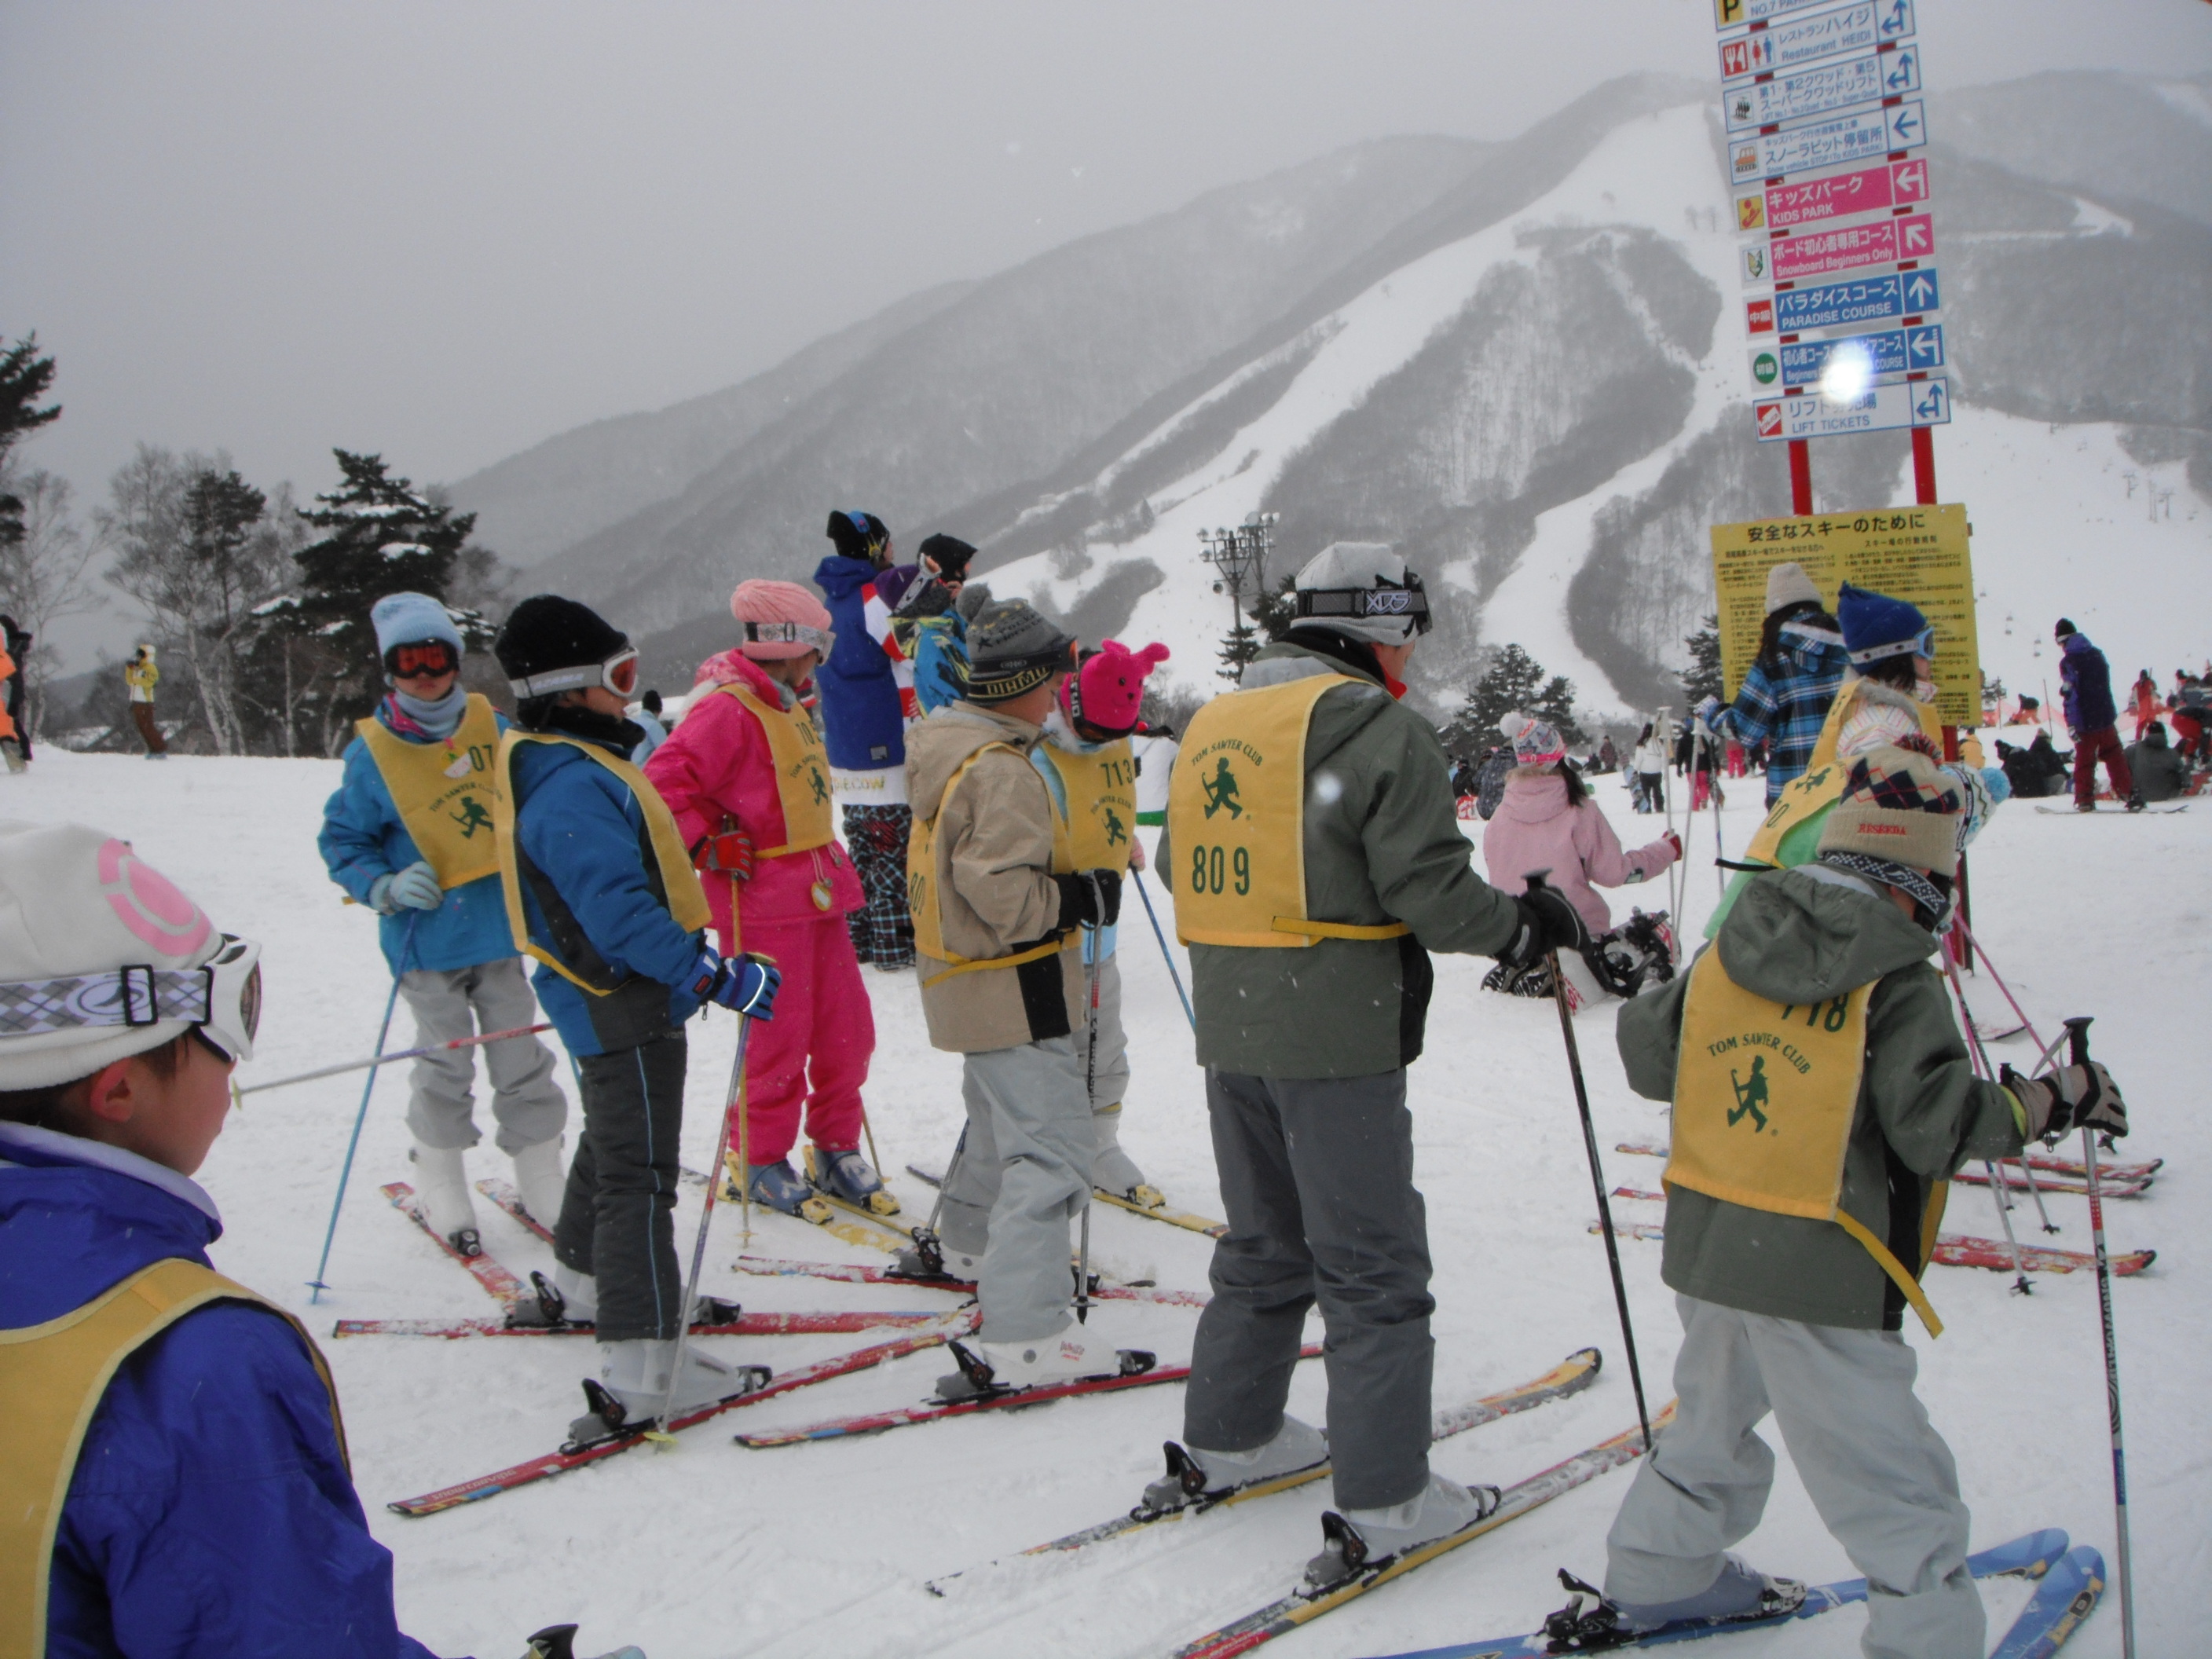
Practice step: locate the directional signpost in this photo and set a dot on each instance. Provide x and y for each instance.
(1889, 355)
(1835, 195)
(1816, 91)
(1793, 43)
(1787, 257)
(1878, 409)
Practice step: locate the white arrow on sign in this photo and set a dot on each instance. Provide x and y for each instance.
(1919, 289)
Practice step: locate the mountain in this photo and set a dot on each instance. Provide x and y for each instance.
(1522, 364)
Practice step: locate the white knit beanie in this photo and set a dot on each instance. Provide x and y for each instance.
(76, 901)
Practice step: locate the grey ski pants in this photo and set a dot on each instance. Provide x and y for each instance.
(1878, 1472)
(465, 1002)
(1317, 1175)
(1024, 1174)
(1111, 1168)
(617, 1216)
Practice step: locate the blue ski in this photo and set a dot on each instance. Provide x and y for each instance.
(2066, 1596)
(2031, 1556)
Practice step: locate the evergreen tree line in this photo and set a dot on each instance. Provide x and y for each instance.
(257, 607)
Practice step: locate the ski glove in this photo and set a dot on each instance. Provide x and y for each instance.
(414, 888)
(1547, 922)
(1079, 906)
(745, 983)
(2071, 1097)
(729, 853)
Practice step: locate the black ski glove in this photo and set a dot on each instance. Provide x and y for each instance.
(2071, 1097)
(1547, 922)
(1079, 906)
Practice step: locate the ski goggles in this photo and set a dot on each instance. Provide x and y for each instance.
(1922, 644)
(405, 662)
(617, 674)
(791, 633)
(221, 998)
(1408, 603)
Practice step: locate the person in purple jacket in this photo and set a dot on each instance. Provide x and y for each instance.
(2086, 688)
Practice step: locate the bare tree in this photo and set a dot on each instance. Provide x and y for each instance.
(43, 576)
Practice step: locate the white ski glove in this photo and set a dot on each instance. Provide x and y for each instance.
(2071, 1097)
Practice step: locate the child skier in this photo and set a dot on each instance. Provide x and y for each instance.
(409, 834)
(599, 889)
(1821, 1098)
(746, 778)
(173, 1478)
(1089, 770)
(1784, 697)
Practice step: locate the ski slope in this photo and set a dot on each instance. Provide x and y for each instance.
(711, 1550)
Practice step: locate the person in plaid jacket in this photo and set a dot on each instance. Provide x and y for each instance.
(1784, 697)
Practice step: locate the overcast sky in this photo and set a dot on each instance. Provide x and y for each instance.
(448, 230)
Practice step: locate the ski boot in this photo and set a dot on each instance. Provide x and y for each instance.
(1113, 1170)
(1194, 1474)
(1739, 1596)
(632, 1387)
(441, 1185)
(1359, 1539)
(1003, 1367)
(559, 1642)
(572, 1299)
(927, 1259)
(542, 1178)
(845, 1176)
(777, 1186)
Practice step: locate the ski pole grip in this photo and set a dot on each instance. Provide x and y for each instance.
(2077, 1039)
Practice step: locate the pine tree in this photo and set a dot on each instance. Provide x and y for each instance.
(1556, 703)
(379, 536)
(1238, 646)
(1702, 679)
(24, 378)
(1513, 682)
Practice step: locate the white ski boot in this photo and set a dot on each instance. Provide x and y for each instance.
(1194, 1474)
(580, 1295)
(1362, 1538)
(541, 1177)
(1072, 1356)
(1112, 1169)
(441, 1186)
(1741, 1595)
(632, 1386)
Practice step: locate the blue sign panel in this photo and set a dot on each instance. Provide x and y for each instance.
(1893, 351)
(1870, 300)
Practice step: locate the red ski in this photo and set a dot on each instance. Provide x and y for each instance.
(560, 1462)
(499, 1192)
(502, 1286)
(848, 1273)
(877, 1422)
(2108, 1175)
(1953, 1249)
(751, 1324)
(2016, 1182)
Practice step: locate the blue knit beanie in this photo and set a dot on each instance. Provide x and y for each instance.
(410, 618)
(1875, 624)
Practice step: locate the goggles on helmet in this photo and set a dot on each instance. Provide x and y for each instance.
(221, 999)
(1409, 602)
(618, 674)
(1922, 644)
(404, 662)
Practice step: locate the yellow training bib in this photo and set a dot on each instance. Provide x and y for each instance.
(445, 792)
(1764, 1098)
(802, 772)
(922, 884)
(1092, 832)
(1822, 783)
(680, 882)
(1236, 805)
(53, 1376)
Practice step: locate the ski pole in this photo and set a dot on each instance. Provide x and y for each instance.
(735, 1104)
(746, 1115)
(1999, 1191)
(1090, 1091)
(315, 1285)
(2077, 1030)
(2050, 1053)
(1138, 876)
(1597, 1174)
(395, 1057)
(1713, 792)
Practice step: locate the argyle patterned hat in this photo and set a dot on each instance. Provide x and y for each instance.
(1899, 805)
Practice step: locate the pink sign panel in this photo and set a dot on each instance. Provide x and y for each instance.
(1909, 236)
(1862, 190)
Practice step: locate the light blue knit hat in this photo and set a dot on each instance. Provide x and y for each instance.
(410, 618)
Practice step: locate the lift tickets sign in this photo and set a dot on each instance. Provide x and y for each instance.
(1918, 554)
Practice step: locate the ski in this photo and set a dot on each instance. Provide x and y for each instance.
(2016, 1183)
(817, 1212)
(1160, 1212)
(850, 1273)
(838, 1428)
(2108, 1175)
(1302, 1606)
(1957, 1250)
(502, 1286)
(2067, 1596)
(1570, 1377)
(2028, 1557)
(2164, 808)
(504, 1194)
(560, 1462)
(751, 1324)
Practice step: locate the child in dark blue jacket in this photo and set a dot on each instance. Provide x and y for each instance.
(600, 889)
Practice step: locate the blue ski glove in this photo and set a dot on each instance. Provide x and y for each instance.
(414, 888)
(743, 983)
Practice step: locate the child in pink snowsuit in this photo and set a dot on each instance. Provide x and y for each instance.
(745, 774)
(1547, 821)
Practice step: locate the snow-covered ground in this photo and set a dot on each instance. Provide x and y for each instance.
(713, 1550)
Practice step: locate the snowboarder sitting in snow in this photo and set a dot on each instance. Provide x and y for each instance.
(747, 780)
(173, 1478)
(1547, 821)
(409, 833)
(600, 889)
(2157, 771)
(1087, 765)
(1794, 1243)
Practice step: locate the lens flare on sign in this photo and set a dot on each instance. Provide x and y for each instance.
(1848, 373)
